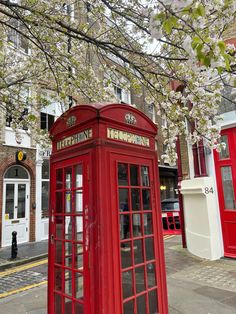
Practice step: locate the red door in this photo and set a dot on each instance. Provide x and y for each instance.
(69, 246)
(140, 263)
(226, 181)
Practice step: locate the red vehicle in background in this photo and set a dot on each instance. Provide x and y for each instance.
(170, 216)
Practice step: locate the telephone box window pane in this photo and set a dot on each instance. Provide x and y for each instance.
(151, 274)
(127, 284)
(137, 227)
(122, 174)
(78, 308)
(10, 200)
(68, 178)
(138, 251)
(224, 152)
(68, 254)
(124, 227)
(145, 176)
(58, 304)
(123, 200)
(141, 304)
(68, 282)
(134, 175)
(149, 249)
(147, 220)
(21, 200)
(59, 203)
(68, 228)
(140, 279)
(59, 227)
(68, 306)
(126, 257)
(153, 303)
(79, 228)
(59, 180)
(79, 201)
(129, 307)
(68, 202)
(78, 176)
(58, 278)
(79, 282)
(228, 188)
(146, 200)
(79, 257)
(135, 197)
(58, 252)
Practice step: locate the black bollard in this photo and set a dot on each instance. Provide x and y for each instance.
(14, 248)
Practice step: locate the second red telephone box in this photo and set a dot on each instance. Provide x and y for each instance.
(106, 251)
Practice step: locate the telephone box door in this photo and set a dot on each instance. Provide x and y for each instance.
(68, 272)
(141, 264)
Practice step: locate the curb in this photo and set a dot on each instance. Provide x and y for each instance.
(11, 264)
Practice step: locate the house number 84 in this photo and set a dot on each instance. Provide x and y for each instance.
(208, 190)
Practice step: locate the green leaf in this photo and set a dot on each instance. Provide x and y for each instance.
(222, 46)
(167, 26)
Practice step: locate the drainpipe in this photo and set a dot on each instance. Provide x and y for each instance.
(180, 196)
(202, 158)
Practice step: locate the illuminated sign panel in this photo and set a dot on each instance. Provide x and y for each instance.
(127, 137)
(75, 139)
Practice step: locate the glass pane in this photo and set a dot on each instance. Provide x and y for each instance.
(149, 249)
(141, 304)
(58, 252)
(59, 227)
(138, 251)
(145, 176)
(45, 198)
(224, 152)
(140, 279)
(137, 227)
(127, 284)
(68, 254)
(68, 282)
(147, 220)
(78, 176)
(123, 200)
(45, 169)
(58, 278)
(68, 306)
(129, 307)
(146, 200)
(78, 308)
(59, 180)
(68, 178)
(153, 302)
(122, 174)
(135, 197)
(126, 257)
(79, 228)
(9, 210)
(134, 175)
(68, 228)
(79, 201)
(228, 189)
(59, 203)
(58, 304)
(68, 201)
(16, 172)
(79, 257)
(79, 290)
(151, 274)
(124, 227)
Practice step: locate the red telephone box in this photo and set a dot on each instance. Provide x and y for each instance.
(106, 251)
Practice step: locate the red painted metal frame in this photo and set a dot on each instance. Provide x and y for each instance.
(100, 155)
(228, 216)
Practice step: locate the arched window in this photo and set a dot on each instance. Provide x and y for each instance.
(16, 172)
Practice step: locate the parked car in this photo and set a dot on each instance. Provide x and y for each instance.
(170, 216)
(170, 204)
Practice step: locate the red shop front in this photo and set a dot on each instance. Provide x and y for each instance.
(106, 251)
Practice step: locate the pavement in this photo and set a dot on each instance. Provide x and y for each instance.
(195, 285)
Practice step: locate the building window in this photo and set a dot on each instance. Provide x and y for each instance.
(152, 112)
(46, 120)
(15, 35)
(21, 123)
(122, 95)
(45, 189)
